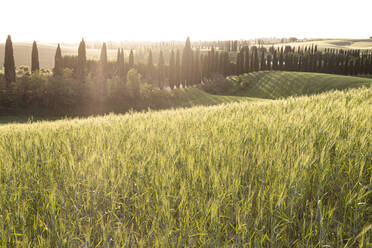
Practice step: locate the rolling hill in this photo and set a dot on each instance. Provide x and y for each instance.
(362, 44)
(177, 98)
(280, 84)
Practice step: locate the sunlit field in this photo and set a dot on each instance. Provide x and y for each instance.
(345, 44)
(284, 173)
(280, 84)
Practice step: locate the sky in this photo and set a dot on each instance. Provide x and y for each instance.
(163, 20)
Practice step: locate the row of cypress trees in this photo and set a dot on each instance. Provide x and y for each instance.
(9, 64)
(308, 59)
(191, 66)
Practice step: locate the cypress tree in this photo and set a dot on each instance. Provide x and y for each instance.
(281, 59)
(196, 67)
(246, 60)
(263, 62)
(202, 66)
(9, 66)
(34, 58)
(186, 63)
(118, 61)
(118, 55)
(208, 65)
(238, 63)
(268, 62)
(256, 62)
(161, 70)
(221, 63)
(216, 63)
(205, 66)
(103, 60)
(120, 64)
(320, 61)
(131, 59)
(212, 57)
(178, 70)
(275, 61)
(226, 64)
(172, 71)
(150, 68)
(81, 61)
(58, 62)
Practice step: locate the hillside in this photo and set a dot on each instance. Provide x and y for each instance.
(361, 44)
(176, 98)
(279, 84)
(293, 172)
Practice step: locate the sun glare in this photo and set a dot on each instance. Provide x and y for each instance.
(55, 21)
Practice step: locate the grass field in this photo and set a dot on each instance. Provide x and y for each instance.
(285, 173)
(361, 44)
(279, 84)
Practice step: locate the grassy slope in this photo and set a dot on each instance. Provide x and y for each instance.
(277, 84)
(296, 172)
(336, 43)
(169, 99)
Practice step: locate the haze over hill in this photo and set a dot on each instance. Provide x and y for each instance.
(22, 53)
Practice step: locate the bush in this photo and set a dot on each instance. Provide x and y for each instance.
(217, 84)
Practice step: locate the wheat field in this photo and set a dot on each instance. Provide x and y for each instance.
(284, 173)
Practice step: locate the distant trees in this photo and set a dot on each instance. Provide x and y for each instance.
(186, 63)
(178, 74)
(172, 71)
(150, 68)
(133, 82)
(81, 61)
(34, 58)
(120, 64)
(9, 66)
(103, 61)
(161, 71)
(131, 59)
(58, 62)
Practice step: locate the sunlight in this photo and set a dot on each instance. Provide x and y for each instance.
(68, 21)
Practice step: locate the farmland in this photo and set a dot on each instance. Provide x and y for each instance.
(294, 172)
(346, 44)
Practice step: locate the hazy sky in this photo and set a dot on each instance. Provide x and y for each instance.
(70, 20)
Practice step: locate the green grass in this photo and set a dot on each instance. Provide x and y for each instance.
(177, 98)
(190, 97)
(280, 84)
(286, 173)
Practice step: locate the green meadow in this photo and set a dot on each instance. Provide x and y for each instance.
(281, 84)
